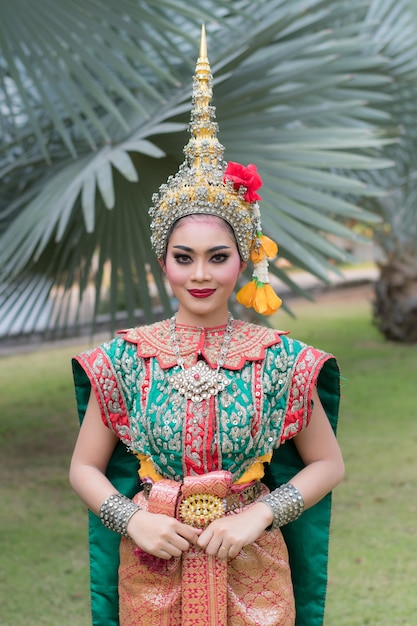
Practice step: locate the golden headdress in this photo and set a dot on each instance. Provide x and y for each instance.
(206, 184)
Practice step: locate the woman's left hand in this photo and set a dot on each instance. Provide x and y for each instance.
(225, 537)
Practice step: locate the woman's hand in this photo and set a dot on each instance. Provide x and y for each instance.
(225, 537)
(160, 535)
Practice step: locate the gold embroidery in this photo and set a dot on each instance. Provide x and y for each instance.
(248, 343)
(229, 430)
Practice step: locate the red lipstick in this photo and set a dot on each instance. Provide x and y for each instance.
(201, 293)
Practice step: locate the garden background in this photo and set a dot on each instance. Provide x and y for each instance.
(373, 569)
(95, 103)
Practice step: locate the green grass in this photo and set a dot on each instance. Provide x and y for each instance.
(373, 564)
(43, 540)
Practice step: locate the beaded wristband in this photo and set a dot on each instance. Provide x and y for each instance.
(116, 511)
(286, 504)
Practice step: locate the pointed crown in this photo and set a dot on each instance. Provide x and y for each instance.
(206, 184)
(198, 186)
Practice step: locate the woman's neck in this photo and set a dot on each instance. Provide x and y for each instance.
(202, 321)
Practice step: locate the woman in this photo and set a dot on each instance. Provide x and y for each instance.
(205, 403)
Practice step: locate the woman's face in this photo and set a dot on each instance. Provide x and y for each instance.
(202, 266)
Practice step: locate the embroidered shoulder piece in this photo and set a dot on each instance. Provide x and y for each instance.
(308, 365)
(249, 342)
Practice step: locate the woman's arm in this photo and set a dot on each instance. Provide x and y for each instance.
(92, 452)
(320, 452)
(159, 535)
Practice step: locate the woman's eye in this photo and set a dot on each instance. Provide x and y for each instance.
(219, 258)
(182, 258)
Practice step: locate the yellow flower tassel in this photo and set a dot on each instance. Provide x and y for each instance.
(246, 295)
(259, 296)
(258, 293)
(263, 247)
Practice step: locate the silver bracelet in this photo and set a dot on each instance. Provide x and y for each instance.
(286, 504)
(116, 511)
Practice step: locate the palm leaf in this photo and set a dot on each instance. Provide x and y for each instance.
(285, 96)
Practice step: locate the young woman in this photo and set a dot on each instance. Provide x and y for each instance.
(203, 404)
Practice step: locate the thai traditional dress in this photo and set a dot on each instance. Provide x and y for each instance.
(226, 446)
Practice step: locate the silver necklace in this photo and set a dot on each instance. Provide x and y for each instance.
(200, 381)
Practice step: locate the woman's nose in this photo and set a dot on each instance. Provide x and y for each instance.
(201, 271)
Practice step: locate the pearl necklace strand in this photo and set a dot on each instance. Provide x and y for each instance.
(200, 381)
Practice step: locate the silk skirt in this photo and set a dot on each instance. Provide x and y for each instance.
(196, 589)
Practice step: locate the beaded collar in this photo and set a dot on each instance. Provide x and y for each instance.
(248, 343)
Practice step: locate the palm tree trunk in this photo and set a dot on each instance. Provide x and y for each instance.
(395, 305)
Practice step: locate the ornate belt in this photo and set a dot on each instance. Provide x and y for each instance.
(200, 509)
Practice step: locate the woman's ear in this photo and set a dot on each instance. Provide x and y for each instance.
(163, 266)
(243, 266)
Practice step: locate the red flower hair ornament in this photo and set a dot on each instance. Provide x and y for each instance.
(242, 176)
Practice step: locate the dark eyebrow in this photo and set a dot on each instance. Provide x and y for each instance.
(211, 250)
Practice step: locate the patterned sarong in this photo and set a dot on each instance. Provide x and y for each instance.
(253, 589)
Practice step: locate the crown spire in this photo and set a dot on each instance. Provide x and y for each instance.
(204, 153)
(203, 43)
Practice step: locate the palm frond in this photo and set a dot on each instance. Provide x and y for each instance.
(294, 92)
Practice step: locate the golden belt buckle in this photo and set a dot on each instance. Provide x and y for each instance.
(200, 509)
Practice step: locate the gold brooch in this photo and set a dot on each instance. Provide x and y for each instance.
(200, 509)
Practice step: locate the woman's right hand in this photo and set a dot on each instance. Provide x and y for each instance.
(161, 535)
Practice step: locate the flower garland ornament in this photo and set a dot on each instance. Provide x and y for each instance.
(258, 293)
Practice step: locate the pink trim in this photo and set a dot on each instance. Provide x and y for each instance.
(104, 383)
(299, 407)
(249, 343)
